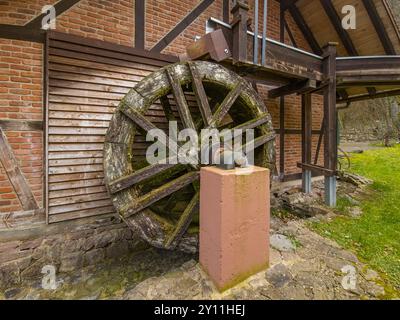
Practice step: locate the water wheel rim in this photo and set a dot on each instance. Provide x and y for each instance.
(129, 117)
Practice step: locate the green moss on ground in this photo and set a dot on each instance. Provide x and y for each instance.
(374, 236)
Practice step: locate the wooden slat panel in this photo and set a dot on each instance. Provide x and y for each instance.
(79, 199)
(76, 192)
(135, 68)
(80, 214)
(86, 84)
(76, 176)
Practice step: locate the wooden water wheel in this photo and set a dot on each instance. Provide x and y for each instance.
(161, 201)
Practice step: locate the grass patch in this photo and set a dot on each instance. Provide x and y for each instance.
(375, 236)
(343, 204)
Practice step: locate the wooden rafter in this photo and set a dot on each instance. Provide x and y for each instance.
(60, 7)
(336, 22)
(362, 97)
(182, 25)
(32, 31)
(379, 27)
(289, 32)
(305, 29)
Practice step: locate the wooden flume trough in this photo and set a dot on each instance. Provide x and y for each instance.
(161, 201)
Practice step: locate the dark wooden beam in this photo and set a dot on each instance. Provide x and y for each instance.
(379, 27)
(337, 24)
(181, 26)
(363, 97)
(296, 131)
(60, 7)
(286, 3)
(21, 33)
(282, 137)
(32, 31)
(225, 11)
(15, 175)
(239, 31)
(289, 32)
(320, 139)
(298, 87)
(21, 125)
(316, 169)
(282, 109)
(304, 28)
(306, 124)
(140, 6)
(330, 137)
(330, 128)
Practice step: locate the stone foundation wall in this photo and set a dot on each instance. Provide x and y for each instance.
(67, 246)
(355, 135)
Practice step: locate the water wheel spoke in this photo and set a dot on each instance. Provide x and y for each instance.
(226, 105)
(264, 118)
(139, 176)
(183, 222)
(148, 199)
(138, 118)
(181, 102)
(200, 94)
(167, 108)
(258, 142)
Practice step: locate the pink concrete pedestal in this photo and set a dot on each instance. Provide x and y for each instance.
(234, 223)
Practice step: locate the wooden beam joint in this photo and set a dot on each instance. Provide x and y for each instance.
(299, 87)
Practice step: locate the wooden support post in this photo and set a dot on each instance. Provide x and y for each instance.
(282, 109)
(306, 128)
(239, 30)
(330, 128)
(225, 11)
(282, 138)
(140, 8)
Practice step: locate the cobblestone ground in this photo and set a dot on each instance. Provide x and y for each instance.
(303, 265)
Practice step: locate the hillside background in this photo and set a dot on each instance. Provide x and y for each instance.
(375, 119)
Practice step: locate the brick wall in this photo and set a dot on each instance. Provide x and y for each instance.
(110, 21)
(21, 98)
(21, 68)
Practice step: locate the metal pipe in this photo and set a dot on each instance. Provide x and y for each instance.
(255, 53)
(366, 57)
(264, 36)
